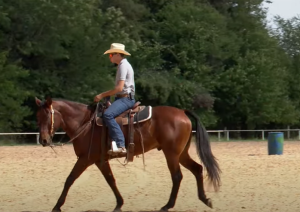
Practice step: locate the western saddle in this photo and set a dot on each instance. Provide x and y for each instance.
(126, 118)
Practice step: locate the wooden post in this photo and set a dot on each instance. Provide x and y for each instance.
(227, 133)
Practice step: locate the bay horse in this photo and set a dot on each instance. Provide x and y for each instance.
(168, 129)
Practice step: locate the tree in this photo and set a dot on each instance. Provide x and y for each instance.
(12, 95)
(252, 90)
(288, 35)
(61, 44)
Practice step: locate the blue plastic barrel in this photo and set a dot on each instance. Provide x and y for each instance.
(275, 143)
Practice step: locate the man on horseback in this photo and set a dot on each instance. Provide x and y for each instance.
(124, 91)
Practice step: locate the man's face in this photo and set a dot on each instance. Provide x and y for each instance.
(113, 57)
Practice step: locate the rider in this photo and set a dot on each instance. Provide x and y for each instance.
(124, 96)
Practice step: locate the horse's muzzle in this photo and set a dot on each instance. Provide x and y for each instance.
(45, 142)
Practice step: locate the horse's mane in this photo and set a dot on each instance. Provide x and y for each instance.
(91, 106)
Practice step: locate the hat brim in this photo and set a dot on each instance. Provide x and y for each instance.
(116, 51)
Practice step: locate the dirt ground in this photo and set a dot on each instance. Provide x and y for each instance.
(32, 178)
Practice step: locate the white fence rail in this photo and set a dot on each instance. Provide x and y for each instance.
(226, 133)
(32, 133)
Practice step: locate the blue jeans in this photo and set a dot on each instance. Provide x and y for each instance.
(119, 106)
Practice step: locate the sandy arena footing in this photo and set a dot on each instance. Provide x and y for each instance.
(32, 178)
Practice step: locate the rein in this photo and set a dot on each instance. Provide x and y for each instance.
(81, 128)
(94, 115)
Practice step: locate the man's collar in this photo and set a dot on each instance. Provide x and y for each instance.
(122, 61)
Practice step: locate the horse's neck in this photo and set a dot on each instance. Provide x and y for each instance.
(73, 117)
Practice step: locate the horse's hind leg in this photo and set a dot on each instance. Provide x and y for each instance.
(197, 171)
(77, 170)
(109, 177)
(174, 167)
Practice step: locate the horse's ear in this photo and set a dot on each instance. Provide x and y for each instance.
(48, 101)
(38, 102)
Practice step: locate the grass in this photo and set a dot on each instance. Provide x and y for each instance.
(213, 138)
(31, 142)
(14, 143)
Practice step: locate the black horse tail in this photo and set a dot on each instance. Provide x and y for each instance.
(204, 152)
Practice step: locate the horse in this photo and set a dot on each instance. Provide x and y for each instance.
(167, 128)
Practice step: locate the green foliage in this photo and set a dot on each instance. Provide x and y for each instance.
(288, 35)
(12, 95)
(217, 58)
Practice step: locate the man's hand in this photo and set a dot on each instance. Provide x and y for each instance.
(117, 89)
(98, 98)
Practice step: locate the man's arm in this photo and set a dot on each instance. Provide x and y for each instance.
(112, 92)
(118, 87)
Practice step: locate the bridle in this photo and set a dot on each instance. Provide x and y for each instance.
(78, 131)
(52, 121)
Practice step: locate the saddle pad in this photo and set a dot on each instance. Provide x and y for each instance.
(141, 116)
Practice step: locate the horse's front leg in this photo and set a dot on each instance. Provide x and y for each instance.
(109, 177)
(78, 169)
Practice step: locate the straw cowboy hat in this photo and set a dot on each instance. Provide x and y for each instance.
(117, 48)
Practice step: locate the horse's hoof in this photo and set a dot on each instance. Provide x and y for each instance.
(117, 210)
(209, 203)
(163, 209)
(56, 210)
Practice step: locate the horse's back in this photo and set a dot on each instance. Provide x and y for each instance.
(170, 124)
(169, 113)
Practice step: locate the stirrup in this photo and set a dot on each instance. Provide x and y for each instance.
(115, 150)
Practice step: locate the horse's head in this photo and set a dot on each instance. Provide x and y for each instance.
(47, 121)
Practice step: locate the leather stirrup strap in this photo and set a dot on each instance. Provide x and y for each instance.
(130, 153)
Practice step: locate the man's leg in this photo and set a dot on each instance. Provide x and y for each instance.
(115, 109)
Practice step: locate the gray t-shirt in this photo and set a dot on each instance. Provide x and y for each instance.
(125, 72)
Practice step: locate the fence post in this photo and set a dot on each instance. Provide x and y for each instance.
(37, 138)
(263, 134)
(227, 135)
(219, 135)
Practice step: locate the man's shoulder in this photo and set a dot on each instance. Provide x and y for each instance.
(125, 63)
